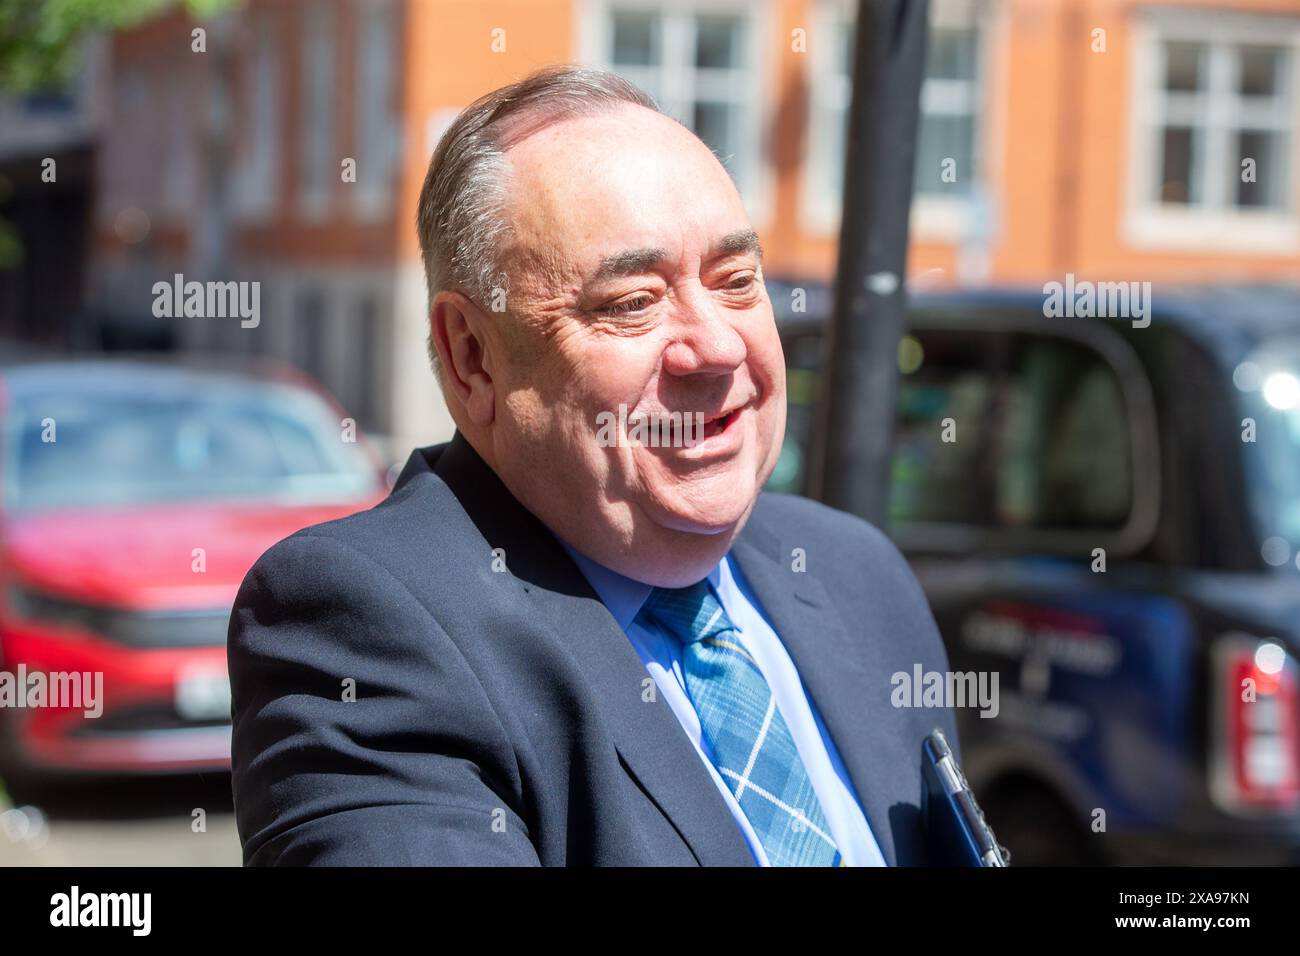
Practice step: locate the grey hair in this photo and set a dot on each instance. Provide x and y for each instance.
(461, 220)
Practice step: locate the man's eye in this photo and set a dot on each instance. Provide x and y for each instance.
(741, 282)
(627, 305)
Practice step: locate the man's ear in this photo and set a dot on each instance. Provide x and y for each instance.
(459, 329)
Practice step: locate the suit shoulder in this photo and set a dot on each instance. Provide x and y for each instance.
(315, 604)
(423, 508)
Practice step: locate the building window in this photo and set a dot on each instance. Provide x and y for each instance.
(948, 110)
(947, 141)
(371, 338)
(180, 169)
(258, 173)
(375, 128)
(318, 165)
(1212, 154)
(1222, 118)
(699, 62)
(311, 332)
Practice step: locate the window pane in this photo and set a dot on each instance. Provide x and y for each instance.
(713, 123)
(934, 480)
(636, 38)
(311, 334)
(1275, 472)
(1071, 464)
(944, 137)
(803, 356)
(1183, 66)
(1043, 437)
(648, 83)
(317, 155)
(948, 112)
(836, 141)
(1270, 168)
(260, 170)
(717, 42)
(951, 55)
(1177, 182)
(374, 100)
(1259, 70)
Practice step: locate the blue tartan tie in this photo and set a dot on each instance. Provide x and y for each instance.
(749, 740)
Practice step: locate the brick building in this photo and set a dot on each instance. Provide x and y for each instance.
(1106, 138)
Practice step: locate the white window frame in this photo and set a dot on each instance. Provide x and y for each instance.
(751, 169)
(933, 218)
(1149, 224)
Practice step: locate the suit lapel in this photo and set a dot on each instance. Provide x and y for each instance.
(652, 744)
(846, 679)
(647, 734)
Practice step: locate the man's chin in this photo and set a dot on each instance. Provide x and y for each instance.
(706, 518)
(690, 524)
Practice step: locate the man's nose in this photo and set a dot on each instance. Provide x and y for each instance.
(706, 342)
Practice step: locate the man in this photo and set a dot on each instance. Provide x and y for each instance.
(554, 646)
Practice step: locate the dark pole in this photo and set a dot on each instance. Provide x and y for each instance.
(856, 412)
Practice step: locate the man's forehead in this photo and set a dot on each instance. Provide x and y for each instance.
(620, 192)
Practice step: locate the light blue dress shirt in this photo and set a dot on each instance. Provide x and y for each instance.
(662, 655)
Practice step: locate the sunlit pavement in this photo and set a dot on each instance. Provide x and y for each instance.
(145, 822)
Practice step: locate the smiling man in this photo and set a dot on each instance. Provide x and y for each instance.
(545, 647)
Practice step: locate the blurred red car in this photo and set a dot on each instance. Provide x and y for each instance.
(136, 495)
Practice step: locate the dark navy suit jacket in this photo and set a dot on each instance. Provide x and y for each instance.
(502, 717)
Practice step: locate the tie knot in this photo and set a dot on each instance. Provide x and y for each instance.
(690, 614)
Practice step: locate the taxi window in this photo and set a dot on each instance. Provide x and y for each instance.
(1011, 431)
(999, 430)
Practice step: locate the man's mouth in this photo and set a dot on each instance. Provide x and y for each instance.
(720, 423)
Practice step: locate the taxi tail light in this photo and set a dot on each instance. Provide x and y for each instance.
(1257, 765)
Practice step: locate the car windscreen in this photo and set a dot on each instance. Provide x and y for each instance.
(92, 447)
(1269, 385)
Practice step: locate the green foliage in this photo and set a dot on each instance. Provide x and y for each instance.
(11, 246)
(40, 40)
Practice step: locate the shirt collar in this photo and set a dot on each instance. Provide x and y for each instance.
(621, 595)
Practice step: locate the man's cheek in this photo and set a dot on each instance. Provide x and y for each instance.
(591, 427)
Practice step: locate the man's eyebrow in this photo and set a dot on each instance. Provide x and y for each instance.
(636, 261)
(735, 243)
(631, 262)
